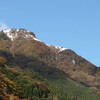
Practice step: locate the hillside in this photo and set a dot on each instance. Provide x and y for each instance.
(45, 72)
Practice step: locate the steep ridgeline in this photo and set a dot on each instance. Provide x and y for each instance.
(21, 48)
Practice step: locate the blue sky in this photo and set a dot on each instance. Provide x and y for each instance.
(73, 24)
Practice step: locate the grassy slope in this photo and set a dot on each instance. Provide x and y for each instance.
(65, 88)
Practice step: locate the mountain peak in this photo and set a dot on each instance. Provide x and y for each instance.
(16, 33)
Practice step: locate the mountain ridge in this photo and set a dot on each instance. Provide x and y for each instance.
(14, 34)
(27, 52)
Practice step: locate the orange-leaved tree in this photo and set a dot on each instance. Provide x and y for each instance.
(2, 61)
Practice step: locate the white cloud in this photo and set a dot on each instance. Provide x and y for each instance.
(3, 26)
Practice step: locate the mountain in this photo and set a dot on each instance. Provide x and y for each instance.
(45, 72)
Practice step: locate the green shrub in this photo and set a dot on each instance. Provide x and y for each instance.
(3, 36)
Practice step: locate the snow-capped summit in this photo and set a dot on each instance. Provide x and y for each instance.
(16, 33)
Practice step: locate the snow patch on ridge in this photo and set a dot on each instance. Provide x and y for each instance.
(36, 39)
(73, 61)
(7, 32)
(58, 48)
(32, 37)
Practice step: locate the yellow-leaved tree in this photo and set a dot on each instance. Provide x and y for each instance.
(2, 61)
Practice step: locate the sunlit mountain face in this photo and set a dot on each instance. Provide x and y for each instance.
(33, 70)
